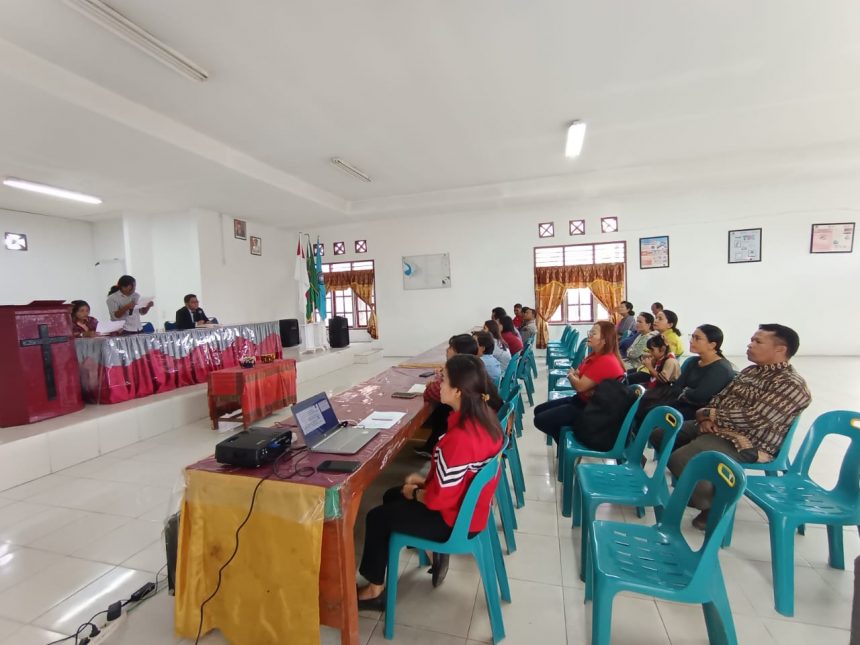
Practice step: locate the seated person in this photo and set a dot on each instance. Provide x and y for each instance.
(748, 419)
(497, 314)
(438, 420)
(510, 335)
(518, 315)
(486, 345)
(666, 322)
(603, 363)
(636, 345)
(427, 507)
(529, 327)
(628, 319)
(191, 315)
(659, 365)
(701, 378)
(122, 302)
(501, 352)
(83, 325)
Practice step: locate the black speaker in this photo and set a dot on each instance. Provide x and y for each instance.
(338, 332)
(289, 332)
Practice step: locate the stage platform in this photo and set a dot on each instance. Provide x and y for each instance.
(32, 451)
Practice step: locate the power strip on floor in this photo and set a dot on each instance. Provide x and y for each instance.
(108, 633)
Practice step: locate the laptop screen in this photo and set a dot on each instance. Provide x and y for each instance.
(315, 417)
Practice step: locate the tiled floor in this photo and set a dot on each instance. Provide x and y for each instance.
(72, 542)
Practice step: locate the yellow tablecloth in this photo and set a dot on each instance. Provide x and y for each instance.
(270, 591)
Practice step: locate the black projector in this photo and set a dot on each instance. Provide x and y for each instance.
(253, 447)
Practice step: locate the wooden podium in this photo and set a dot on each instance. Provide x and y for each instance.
(39, 376)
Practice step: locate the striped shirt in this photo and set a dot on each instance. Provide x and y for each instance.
(756, 409)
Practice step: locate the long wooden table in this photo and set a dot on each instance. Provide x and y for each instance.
(338, 605)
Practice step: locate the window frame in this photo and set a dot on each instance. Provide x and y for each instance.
(564, 308)
(358, 307)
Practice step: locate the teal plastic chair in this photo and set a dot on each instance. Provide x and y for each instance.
(512, 452)
(657, 561)
(504, 500)
(530, 345)
(524, 373)
(626, 484)
(778, 466)
(795, 499)
(509, 377)
(571, 452)
(562, 342)
(483, 547)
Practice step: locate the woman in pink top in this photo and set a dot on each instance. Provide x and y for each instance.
(509, 333)
(603, 363)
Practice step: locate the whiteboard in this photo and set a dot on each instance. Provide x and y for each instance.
(426, 271)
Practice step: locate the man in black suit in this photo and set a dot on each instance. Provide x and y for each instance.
(191, 314)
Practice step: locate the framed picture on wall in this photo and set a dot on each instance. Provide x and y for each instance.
(832, 238)
(240, 228)
(745, 245)
(256, 245)
(654, 252)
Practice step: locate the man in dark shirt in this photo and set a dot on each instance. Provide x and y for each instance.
(191, 314)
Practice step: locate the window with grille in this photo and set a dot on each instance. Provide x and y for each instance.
(579, 305)
(361, 246)
(577, 227)
(343, 302)
(609, 224)
(547, 229)
(339, 248)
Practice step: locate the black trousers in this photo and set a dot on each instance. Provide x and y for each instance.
(438, 422)
(401, 515)
(551, 416)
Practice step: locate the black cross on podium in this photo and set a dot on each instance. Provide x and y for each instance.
(46, 340)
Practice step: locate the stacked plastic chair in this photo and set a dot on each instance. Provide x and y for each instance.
(530, 345)
(571, 452)
(509, 377)
(484, 547)
(627, 483)
(795, 499)
(563, 346)
(558, 385)
(657, 560)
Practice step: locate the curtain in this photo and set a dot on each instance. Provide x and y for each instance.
(605, 281)
(361, 283)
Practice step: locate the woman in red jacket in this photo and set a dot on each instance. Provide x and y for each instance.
(428, 507)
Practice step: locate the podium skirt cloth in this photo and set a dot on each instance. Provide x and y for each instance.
(121, 368)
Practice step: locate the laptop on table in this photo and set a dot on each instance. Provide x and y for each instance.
(324, 432)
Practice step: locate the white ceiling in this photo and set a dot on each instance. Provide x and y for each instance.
(445, 104)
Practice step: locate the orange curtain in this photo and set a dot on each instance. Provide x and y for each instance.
(605, 281)
(361, 282)
(549, 298)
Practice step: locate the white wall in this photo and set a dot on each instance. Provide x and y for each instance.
(57, 266)
(176, 253)
(108, 261)
(240, 287)
(492, 263)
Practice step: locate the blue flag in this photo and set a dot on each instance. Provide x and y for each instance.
(321, 301)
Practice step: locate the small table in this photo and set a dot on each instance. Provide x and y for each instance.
(259, 390)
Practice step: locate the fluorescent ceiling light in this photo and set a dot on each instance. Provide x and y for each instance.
(106, 16)
(575, 138)
(50, 190)
(349, 169)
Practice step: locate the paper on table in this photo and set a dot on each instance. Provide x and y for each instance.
(381, 420)
(144, 302)
(109, 326)
(418, 388)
